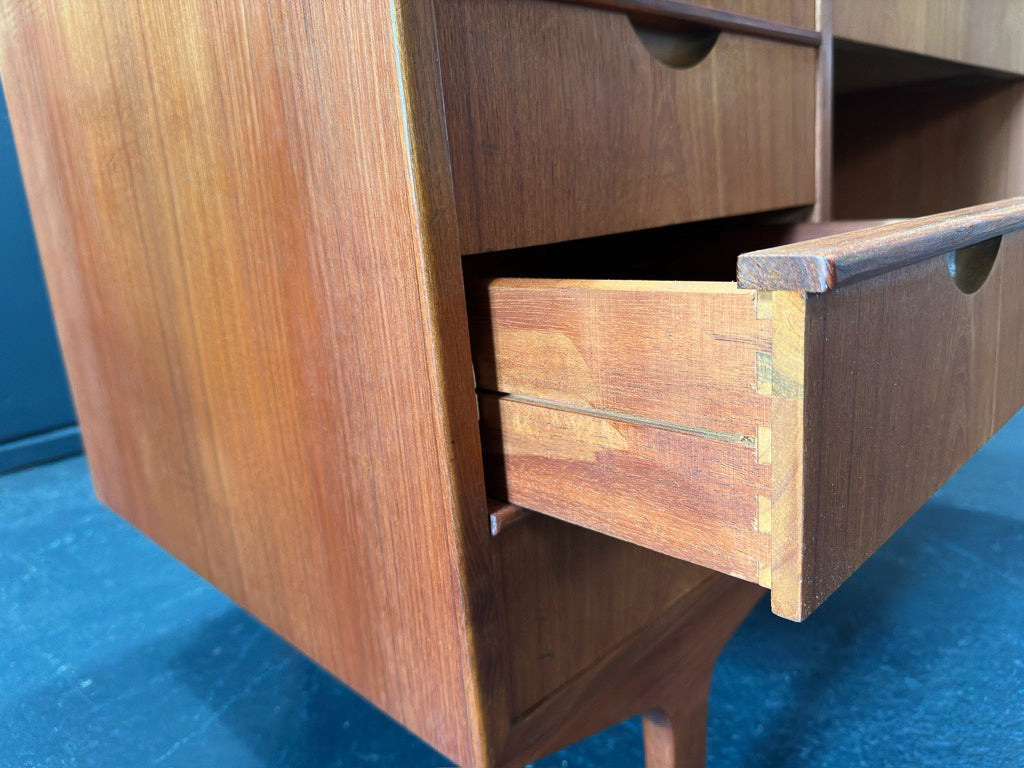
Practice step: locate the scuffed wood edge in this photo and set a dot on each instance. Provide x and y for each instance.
(504, 515)
(787, 483)
(819, 266)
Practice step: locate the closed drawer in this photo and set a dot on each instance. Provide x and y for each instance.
(563, 124)
(779, 429)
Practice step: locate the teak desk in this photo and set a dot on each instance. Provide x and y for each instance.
(330, 275)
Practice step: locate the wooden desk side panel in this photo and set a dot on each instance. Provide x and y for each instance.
(224, 199)
(986, 33)
(906, 379)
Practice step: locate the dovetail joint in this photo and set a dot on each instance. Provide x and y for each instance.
(764, 445)
(763, 373)
(764, 514)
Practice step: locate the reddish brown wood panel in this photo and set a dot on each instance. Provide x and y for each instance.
(250, 314)
(632, 408)
(665, 666)
(676, 352)
(906, 377)
(562, 124)
(689, 496)
(571, 597)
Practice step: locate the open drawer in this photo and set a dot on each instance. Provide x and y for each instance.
(779, 428)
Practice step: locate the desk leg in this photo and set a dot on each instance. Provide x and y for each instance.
(676, 737)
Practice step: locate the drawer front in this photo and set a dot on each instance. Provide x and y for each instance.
(562, 124)
(779, 432)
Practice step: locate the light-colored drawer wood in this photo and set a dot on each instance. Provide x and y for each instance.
(562, 124)
(984, 33)
(779, 429)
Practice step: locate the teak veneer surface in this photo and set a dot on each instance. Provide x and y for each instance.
(563, 125)
(255, 275)
(243, 319)
(251, 217)
(985, 33)
(905, 378)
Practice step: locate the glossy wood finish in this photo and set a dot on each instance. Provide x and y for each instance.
(824, 264)
(985, 33)
(527, 82)
(598, 397)
(926, 149)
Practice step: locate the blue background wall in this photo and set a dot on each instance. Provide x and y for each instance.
(36, 416)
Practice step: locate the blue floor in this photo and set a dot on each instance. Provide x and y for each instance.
(112, 654)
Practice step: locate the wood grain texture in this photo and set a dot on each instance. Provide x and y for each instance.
(792, 21)
(905, 379)
(527, 82)
(571, 597)
(913, 151)
(639, 348)
(790, 393)
(824, 264)
(628, 407)
(821, 397)
(254, 267)
(251, 319)
(688, 496)
(986, 34)
(664, 666)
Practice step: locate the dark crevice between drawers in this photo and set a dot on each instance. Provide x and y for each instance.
(696, 251)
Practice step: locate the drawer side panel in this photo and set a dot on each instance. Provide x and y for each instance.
(687, 496)
(640, 409)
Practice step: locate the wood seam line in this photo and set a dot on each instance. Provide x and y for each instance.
(639, 421)
(764, 375)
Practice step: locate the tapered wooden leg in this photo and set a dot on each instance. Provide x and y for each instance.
(677, 738)
(663, 671)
